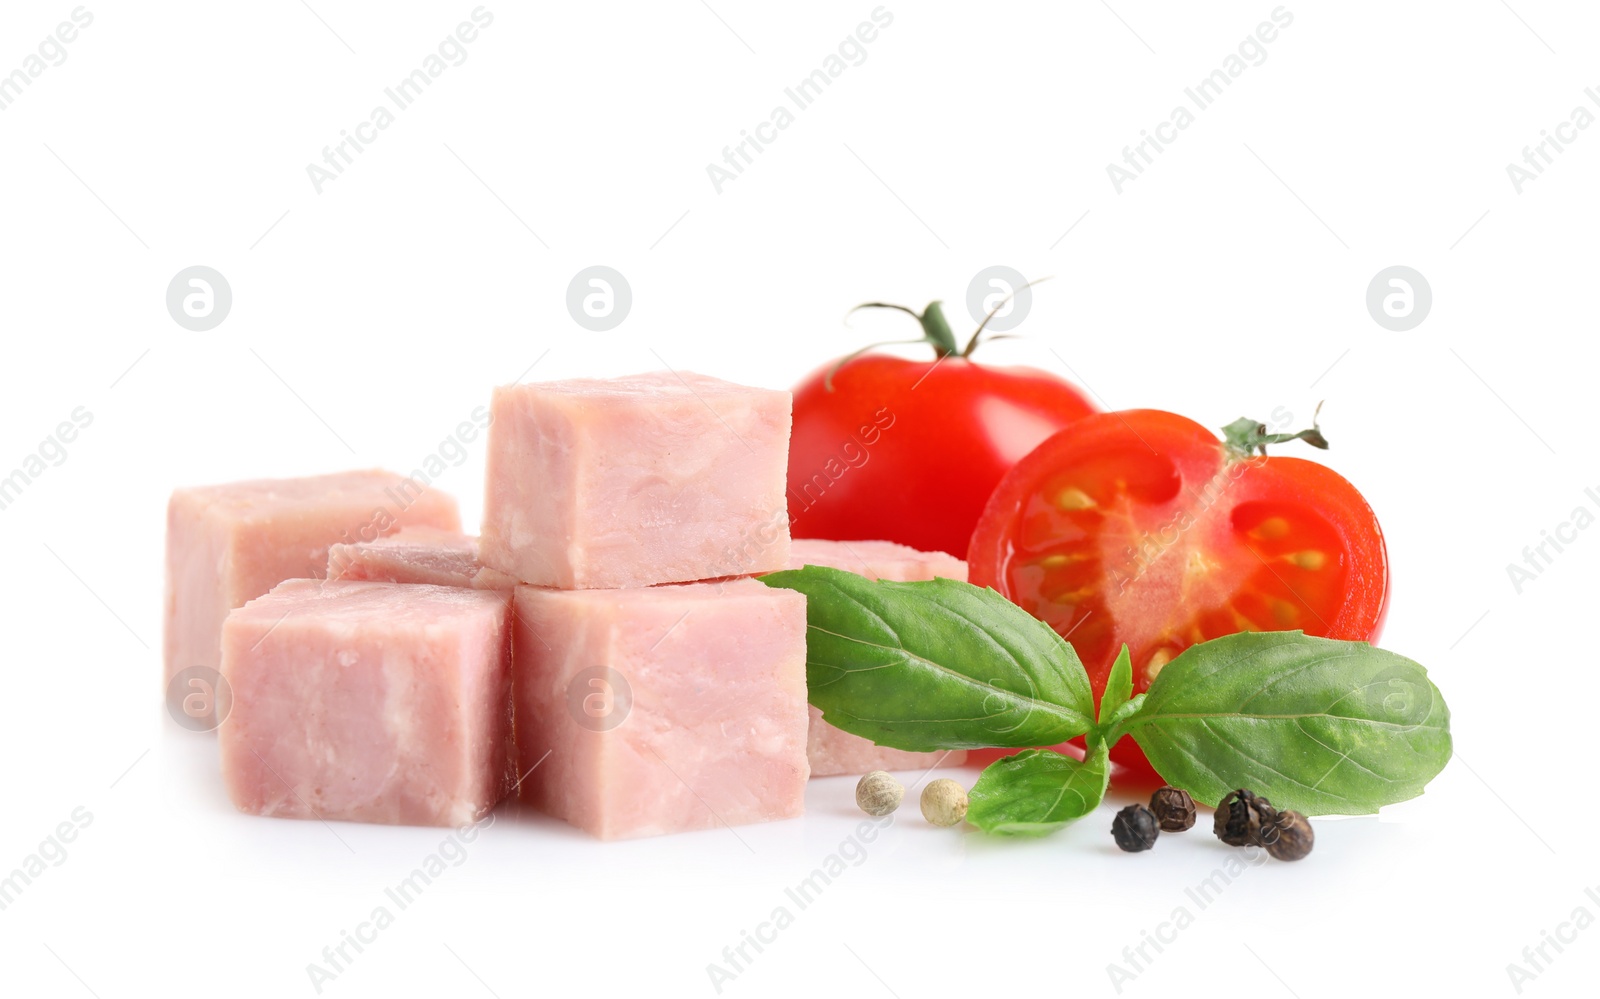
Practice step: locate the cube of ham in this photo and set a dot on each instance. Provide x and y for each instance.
(417, 555)
(655, 478)
(831, 750)
(231, 543)
(369, 702)
(876, 559)
(661, 709)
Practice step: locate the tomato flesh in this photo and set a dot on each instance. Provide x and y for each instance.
(1143, 528)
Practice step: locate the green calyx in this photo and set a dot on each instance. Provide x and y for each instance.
(935, 327)
(936, 331)
(1246, 437)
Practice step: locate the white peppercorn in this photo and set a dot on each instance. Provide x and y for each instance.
(944, 802)
(878, 793)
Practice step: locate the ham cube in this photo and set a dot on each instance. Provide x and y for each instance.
(417, 555)
(876, 559)
(232, 543)
(661, 709)
(369, 702)
(833, 751)
(658, 478)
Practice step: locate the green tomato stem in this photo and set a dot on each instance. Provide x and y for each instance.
(1246, 437)
(935, 328)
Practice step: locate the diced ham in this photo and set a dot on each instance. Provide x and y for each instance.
(369, 702)
(417, 555)
(231, 543)
(876, 559)
(833, 751)
(635, 481)
(661, 709)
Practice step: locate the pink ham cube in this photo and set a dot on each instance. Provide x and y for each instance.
(876, 559)
(232, 543)
(661, 709)
(658, 478)
(417, 555)
(369, 702)
(833, 751)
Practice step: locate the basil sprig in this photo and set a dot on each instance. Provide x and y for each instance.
(1317, 725)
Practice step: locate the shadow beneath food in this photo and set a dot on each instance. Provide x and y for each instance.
(512, 813)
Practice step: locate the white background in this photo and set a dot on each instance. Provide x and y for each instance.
(370, 319)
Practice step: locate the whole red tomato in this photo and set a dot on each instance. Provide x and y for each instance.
(886, 448)
(1141, 527)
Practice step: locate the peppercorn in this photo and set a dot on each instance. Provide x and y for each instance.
(1173, 808)
(1288, 836)
(944, 802)
(1135, 829)
(878, 793)
(1240, 817)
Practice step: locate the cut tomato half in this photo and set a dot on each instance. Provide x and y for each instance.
(1143, 528)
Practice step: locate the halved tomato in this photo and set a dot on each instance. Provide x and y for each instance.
(1142, 527)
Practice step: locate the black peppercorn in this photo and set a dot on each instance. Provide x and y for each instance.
(1240, 817)
(1173, 808)
(1288, 836)
(1135, 829)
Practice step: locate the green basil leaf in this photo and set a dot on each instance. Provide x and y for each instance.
(932, 665)
(1037, 791)
(1119, 686)
(1316, 725)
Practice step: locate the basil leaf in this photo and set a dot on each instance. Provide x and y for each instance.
(1037, 791)
(932, 665)
(1317, 725)
(1119, 686)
